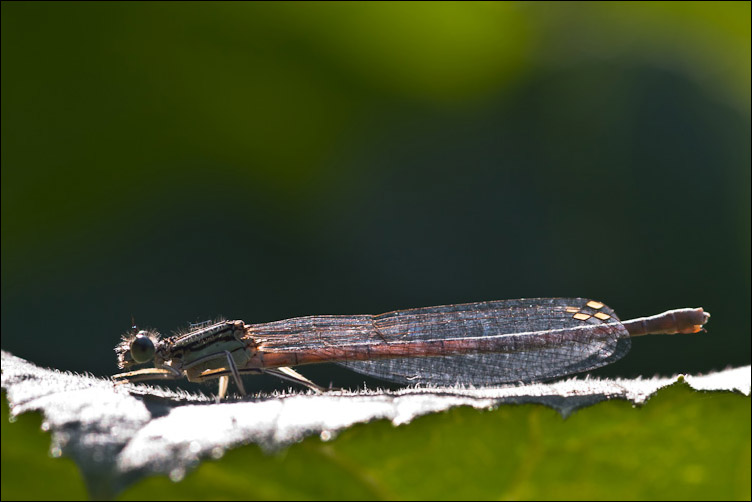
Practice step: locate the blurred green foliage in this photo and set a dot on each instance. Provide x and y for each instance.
(175, 162)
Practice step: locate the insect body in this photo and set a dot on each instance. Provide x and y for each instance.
(482, 343)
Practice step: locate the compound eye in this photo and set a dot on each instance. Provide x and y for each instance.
(142, 348)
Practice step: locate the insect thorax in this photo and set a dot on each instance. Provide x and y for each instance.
(217, 337)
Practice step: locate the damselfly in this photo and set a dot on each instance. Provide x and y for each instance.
(483, 343)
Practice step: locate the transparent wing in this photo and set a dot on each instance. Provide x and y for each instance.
(559, 356)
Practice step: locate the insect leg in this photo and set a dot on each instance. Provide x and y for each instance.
(233, 368)
(161, 373)
(291, 375)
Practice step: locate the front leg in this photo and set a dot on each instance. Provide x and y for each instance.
(161, 373)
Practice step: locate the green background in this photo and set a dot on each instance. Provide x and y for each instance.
(174, 162)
